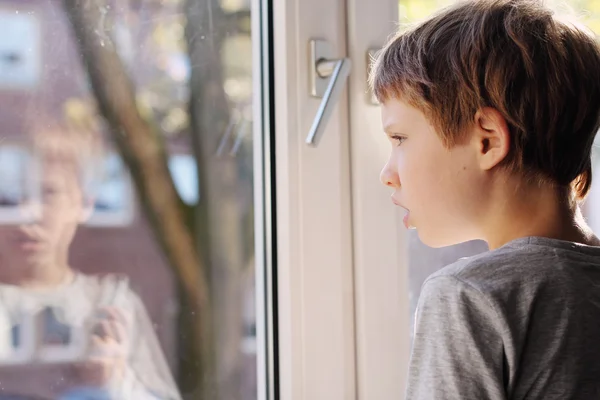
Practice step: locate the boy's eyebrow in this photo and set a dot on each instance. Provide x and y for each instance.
(389, 130)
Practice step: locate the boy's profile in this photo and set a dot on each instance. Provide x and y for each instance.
(492, 107)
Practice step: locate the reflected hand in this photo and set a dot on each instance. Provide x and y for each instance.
(108, 351)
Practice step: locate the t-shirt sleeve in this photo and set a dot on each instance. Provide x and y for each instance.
(148, 374)
(457, 349)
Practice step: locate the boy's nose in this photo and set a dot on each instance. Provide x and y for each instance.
(30, 211)
(389, 177)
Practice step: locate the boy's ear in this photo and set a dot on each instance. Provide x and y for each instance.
(491, 137)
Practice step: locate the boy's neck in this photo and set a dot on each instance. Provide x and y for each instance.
(535, 211)
(37, 275)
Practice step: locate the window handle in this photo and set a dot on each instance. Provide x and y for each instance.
(328, 77)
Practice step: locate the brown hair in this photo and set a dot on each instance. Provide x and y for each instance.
(542, 74)
(74, 146)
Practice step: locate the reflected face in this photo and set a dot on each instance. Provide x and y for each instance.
(436, 186)
(52, 214)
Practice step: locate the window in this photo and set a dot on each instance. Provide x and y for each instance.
(130, 128)
(113, 202)
(20, 54)
(14, 185)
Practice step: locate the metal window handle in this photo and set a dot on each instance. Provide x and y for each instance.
(333, 73)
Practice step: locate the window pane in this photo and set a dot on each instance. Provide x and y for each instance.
(126, 200)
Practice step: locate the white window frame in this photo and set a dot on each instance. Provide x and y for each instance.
(314, 244)
(380, 241)
(342, 260)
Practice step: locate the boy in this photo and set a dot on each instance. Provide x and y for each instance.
(65, 335)
(492, 107)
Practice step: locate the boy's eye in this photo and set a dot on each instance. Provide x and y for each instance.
(397, 139)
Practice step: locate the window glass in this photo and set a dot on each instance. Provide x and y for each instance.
(127, 200)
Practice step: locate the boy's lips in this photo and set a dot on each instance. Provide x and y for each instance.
(27, 239)
(396, 202)
(28, 243)
(405, 220)
(406, 216)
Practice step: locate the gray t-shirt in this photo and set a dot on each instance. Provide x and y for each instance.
(519, 322)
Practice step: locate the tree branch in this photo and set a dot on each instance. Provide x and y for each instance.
(141, 147)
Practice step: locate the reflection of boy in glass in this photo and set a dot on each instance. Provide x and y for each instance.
(118, 356)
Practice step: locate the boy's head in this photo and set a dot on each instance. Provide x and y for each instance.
(505, 90)
(64, 166)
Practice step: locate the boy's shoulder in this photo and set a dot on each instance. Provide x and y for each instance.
(521, 263)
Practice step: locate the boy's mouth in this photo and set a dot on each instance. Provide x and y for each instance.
(405, 219)
(28, 238)
(406, 216)
(396, 202)
(27, 243)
